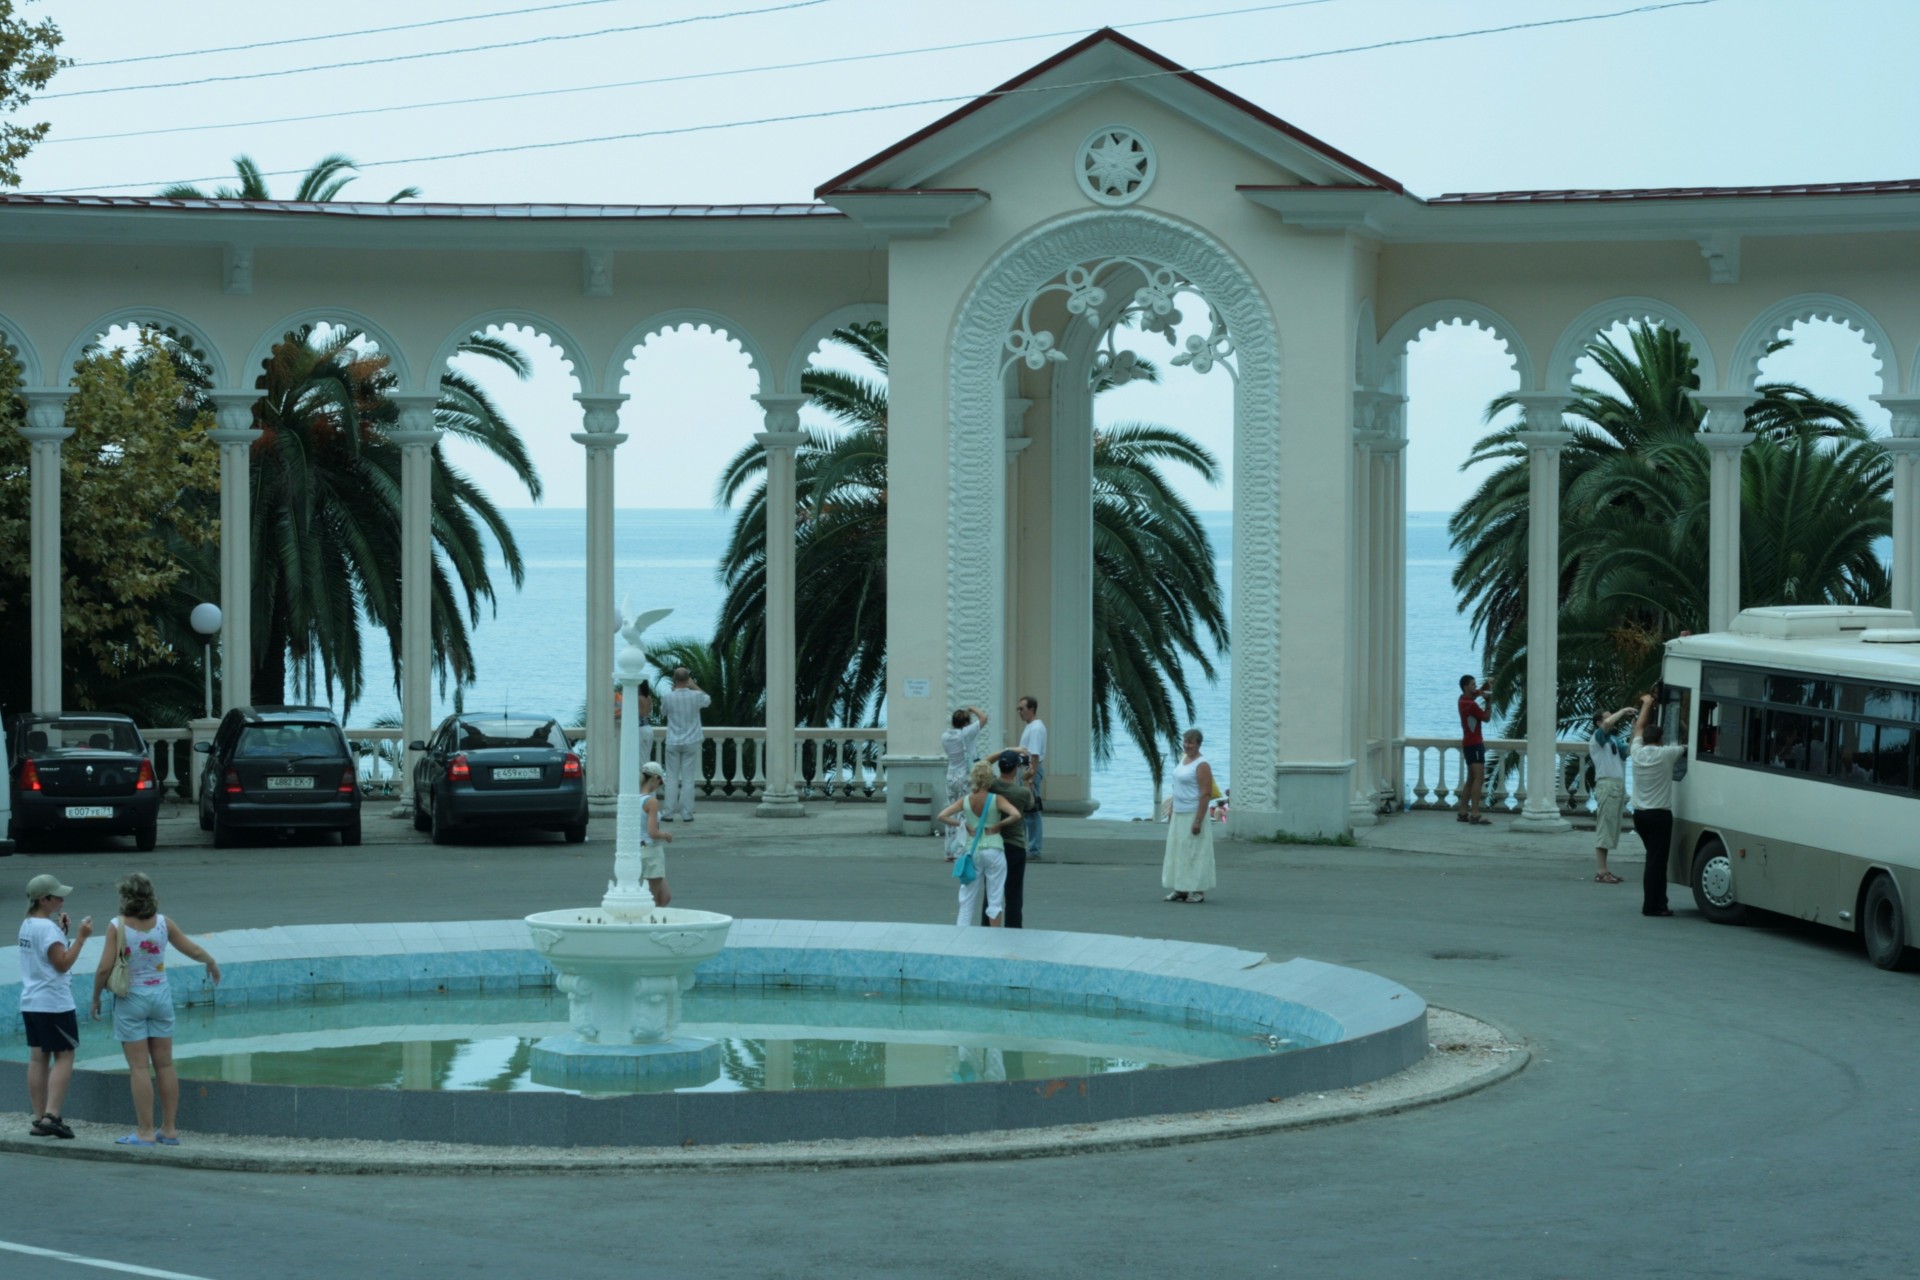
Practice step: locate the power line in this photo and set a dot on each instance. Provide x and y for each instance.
(438, 53)
(939, 101)
(337, 35)
(658, 80)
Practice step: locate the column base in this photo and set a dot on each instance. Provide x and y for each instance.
(1314, 800)
(1543, 821)
(780, 806)
(1361, 813)
(603, 806)
(1073, 808)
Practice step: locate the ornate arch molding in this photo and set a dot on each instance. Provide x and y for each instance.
(23, 352)
(346, 318)
(974, 449)
(570, 348)
(160, 318)
(700, 320)
(1596, 320)
(1744, 371)
(822, 329)
(1390, 358)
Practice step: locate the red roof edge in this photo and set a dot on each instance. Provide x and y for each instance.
(1108, 35)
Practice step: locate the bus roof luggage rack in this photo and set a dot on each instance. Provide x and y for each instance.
(1806, 621)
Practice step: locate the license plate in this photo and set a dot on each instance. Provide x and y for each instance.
(89, 811)
(289, 784)
(515, 775)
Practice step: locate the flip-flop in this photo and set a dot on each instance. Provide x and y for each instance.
(1196, 897)
(1175, 896)
(132, 1140)
(1607, 877)
(165, 1141)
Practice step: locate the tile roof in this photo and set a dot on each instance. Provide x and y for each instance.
(427, 209)
(1603, 195)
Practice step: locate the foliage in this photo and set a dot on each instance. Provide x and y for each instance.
(1635, 516)
(1156, 603)
(27, 63)
(136, 486)
(319, 184)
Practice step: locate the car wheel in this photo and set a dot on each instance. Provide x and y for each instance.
(420, 822)
(350, 836)
(575, 834)
(145, 836)
(442, 829)
(1883, 925)
(222, 834)
(1712, 881)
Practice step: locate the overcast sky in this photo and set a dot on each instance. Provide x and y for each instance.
(1723, 92)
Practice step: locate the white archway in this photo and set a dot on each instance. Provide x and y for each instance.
(1596, 320)
(1744, 369)
(346, 318)
(822, 329)
(503, 317)
(1390, 359)
(171, 323)
(697, 318)
(23, 352)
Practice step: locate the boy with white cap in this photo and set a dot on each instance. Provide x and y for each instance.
(46, 1001)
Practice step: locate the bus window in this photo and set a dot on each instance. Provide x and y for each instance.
(1892, 754)
(1753, 735)
(1718, 739)
(1797, 741)
(1676, 707)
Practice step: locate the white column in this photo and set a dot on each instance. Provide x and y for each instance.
(416, 437)
(780, 440)
(1904, 448)
(1016, 558)
(1387, 610)
(1725, 437)
(1542, 811)
(236, 435)
(46, 431)
(600, 415)
(1364, 565)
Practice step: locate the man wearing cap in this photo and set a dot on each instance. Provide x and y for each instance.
(46, 1001)
(1013, 836)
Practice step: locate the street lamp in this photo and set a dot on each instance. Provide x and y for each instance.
(206, 620)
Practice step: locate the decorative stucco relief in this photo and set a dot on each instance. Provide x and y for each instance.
(1115, 165)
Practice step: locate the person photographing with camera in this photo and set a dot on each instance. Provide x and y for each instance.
(46, 1001)
(1473, 748)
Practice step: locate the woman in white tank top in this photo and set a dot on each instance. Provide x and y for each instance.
(1187, 871)
(143, 1018)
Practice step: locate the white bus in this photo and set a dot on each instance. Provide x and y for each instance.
(1801, 793)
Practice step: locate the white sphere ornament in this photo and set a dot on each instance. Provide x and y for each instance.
(1115, 165)
(205, 619)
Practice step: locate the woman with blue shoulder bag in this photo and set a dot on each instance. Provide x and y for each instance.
(983, 867)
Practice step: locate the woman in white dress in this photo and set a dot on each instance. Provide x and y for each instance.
(1187, 872)
(958, 742)
(989, 856)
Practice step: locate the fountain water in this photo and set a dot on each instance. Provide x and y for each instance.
(624, 965)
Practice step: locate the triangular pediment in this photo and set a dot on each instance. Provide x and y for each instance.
(1102, 60)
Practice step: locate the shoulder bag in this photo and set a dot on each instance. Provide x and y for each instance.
(120, 981)
(964, 869)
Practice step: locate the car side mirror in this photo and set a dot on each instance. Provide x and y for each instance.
(204, 748)
(416, 745)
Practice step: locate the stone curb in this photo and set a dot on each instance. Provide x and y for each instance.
(1470, 1055)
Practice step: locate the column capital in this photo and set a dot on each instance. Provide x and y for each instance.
(780, 440)
(1902, 447)
(1377, 410)
(1379, 442)
(47, 412)
(599, 414)
(600, 441)
(1543, 409)
(416, 417)
(1906, 414)
(781, 410)
(233, 410)
(1548, 442)
(1726, 410)
(1726, 441)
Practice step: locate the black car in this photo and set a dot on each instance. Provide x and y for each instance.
(500, 771)
(279, 769)
(86, 772)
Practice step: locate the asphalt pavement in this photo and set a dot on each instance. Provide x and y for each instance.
(1702, 1101)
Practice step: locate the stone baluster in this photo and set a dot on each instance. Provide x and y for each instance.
(1544, 438)
(416, 435)
(600, 418)
(236, 436)
(781, 440)
(1904, 448)
(46, 431)
(1725, 435)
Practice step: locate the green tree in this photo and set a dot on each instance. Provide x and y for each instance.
(1634, 521)
(1157, 608)
(27, 63)
(319, 184)
(136, 480)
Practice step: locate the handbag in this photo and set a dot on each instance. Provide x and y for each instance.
(964, 869)
(120, 981)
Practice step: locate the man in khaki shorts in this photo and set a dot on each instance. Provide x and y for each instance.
(1608, 751)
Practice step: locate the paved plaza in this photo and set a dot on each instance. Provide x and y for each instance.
(1701, 1101)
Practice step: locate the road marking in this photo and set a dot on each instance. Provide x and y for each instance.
(104, 1264)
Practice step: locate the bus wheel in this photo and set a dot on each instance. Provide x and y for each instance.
(1883, 925)
(1713, 884)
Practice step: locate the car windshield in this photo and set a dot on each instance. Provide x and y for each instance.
(281, 740)
(76, 734)
(479, 735)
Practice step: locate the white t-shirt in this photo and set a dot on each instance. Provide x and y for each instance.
(958, 744)
(1607, 763)
(683, 716)
(1653, 775)
(1033, 738)
(43, 988)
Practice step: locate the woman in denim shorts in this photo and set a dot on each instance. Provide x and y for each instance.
(143, 1018)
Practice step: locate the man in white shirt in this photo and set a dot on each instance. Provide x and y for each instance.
(1033, 744)
(684, 703)
(47, 1011)
(1653, 764)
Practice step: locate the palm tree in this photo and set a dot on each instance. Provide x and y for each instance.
(319, 184)
(327, 520)
(1634, 521)
(1156, 605)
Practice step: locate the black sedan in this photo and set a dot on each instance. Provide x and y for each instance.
(499, 771)
(87, 773)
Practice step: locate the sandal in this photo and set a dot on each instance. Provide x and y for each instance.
(1175, 896)
(1196, 897)
(1607, 877)
(132, 1140)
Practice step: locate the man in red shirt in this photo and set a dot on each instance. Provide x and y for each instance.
(1473, 747)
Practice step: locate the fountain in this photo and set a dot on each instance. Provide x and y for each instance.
(625, 965)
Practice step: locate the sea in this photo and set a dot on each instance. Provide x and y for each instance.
(528, 650)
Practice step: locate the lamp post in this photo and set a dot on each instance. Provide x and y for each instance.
(206, 620)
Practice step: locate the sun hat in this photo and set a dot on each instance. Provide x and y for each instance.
(652, 770)
(46, 887)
